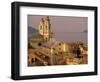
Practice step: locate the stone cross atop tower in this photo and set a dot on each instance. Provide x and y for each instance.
(45, 28)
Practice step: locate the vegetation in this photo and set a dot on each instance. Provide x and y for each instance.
(35, 41)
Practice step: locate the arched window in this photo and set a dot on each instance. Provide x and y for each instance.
(60, 44)
(46, 38)
(40, 27)
(46, 28)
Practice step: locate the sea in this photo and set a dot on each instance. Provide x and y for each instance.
(72, 37)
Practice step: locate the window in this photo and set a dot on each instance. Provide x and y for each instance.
(59, 48)
(46, 28)
(46, 38)
(40, 27)
(59, 43)
(32, 60)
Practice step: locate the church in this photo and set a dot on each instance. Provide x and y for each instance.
(45, 30)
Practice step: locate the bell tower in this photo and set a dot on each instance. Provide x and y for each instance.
(45, 28)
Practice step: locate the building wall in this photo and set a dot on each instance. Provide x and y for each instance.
(61, 47)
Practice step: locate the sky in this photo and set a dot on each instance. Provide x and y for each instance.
(64, 27)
